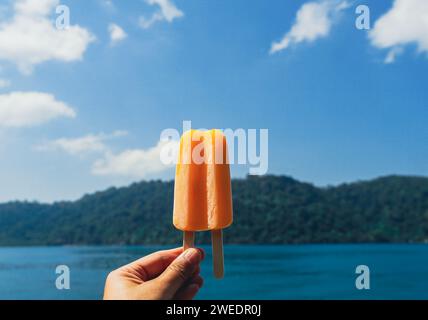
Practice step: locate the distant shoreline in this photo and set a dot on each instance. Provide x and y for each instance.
(226, 245)
(267, 210)
(319, 186)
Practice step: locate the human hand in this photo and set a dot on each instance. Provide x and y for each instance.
(163, 275)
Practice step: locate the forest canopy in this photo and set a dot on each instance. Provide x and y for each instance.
(267, 210)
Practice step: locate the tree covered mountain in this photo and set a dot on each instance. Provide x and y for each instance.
(268, 209)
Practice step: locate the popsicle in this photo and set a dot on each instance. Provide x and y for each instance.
(202, 191)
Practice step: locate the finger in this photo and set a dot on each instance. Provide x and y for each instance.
(197, 280)
(197, 271)
(188, 292)
(179, 271)
(202, 251)
(151, 266)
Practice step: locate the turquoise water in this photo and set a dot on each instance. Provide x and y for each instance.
(252, 272)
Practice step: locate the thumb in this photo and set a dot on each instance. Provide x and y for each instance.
(179, 271)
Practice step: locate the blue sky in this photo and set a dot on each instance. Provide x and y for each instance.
(337, 109)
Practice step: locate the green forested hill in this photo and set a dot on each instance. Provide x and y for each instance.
(269, 209)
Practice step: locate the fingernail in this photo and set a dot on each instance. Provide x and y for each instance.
(201, 284)
(202, 254)
(199, 281)
(192, 255)
(194, 287)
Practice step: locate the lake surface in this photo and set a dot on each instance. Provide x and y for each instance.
(252, 272)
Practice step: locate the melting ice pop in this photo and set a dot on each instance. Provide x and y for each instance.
(202, 193)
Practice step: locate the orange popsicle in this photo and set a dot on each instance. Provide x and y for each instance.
(202, 194)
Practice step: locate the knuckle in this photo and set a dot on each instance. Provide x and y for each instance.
(111, 276)
(179, 269)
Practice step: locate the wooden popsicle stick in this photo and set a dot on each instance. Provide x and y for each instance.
(217, 247)
(188, 240)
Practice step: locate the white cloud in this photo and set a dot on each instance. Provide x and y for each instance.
(31, 37)
(107, 4)
(405, 23)
(167, 12)
(313, 21)
(135, 163)
(131, 163)
(168, 9)
(146, 23)
(91, 143)
(26, 109)
(4, 83)
(117, 34)
(392, 54)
